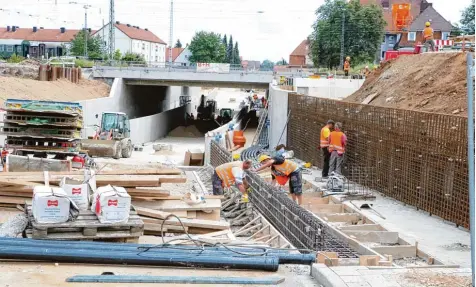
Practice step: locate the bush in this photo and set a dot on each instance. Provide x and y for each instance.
(83, 63)
(133, 57)
(15, 59)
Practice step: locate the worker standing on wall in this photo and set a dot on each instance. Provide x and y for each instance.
(347, 66)
(337, 143)
(324, 146)
(428, 36)
(282, 170)
(231, 173)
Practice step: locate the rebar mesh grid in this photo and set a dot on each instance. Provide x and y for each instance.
(297, 224)
(419, 158)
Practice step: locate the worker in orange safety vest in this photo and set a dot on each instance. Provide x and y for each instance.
(337, 143)
(324, 146)
(283, 170)
(347, 66)
(231, 173)
(428, 37)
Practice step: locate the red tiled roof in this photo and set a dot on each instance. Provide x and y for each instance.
(139, 34)
(175, 53)
(302, 49)
(42, 35)
(387, 12)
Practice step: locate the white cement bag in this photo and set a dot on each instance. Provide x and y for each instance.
(112, 204)
(50, 205)
(77, 191)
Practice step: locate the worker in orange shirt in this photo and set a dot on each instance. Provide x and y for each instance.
(324, 146)
(428, 37)
(347, 66)
(337, 143)
(231, 173)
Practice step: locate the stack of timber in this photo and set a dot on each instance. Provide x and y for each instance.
(42, 126)
(86, 227)
(16, 188)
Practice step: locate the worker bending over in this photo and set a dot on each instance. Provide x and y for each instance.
(347, 66)
(282, 170)
(231, 173)
(337, 143)
(428, 36)
(324, 146)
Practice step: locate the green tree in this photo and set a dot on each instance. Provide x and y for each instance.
(229, 50)
(117, 55)
(281, 62)
(467, 19)
(225, 44)
(364, 29)
(456, 31)
(133, 57)
(94, 45)
(267, 65)
(236, 55)
(178, 44)
(207, 47)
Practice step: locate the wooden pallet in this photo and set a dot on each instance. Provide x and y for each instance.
(86, 227)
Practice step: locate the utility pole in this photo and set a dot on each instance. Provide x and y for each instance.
(171, 34)
(342, 40)
(86, 31)
(111, 30)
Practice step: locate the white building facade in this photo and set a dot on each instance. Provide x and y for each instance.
(184, 57)
(134, 39)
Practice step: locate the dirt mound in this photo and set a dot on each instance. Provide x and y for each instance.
(61, 90)
(185, 132)
(27, 69)
(431, 82)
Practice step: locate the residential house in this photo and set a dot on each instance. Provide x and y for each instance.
(300, 55)
(134, 39)
(34, 42)
(250, 65)
(184, 57)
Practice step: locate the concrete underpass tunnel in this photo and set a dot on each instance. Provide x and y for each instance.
(142, 100)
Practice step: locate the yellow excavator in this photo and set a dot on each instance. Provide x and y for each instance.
(112, 137)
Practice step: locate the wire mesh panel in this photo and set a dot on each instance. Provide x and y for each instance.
(418, 158)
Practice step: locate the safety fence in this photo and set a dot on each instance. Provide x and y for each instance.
(298, 225)
(418, 158)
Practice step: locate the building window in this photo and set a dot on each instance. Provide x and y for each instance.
(143, 46)
(18, 49)
(385, 4)
(10, 48)
(184, 91)
(156, 58)
(411, 36)
(445, 35)
(1, 48)
(156, 48)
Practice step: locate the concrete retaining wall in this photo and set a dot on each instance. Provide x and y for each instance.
(151, 128)
(327, 88)
(278, 116)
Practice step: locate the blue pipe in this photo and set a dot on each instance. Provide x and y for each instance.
(283, 256)
(174, 279)
(268, 263)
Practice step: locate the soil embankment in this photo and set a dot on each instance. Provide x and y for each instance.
(431, 82)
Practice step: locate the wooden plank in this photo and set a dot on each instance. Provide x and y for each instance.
(12, 200)
(167, 227)
(328, 258)
(208, 224)
(19, 182)
(362, 227)
(151, 212)
(178, 205)
(79, 235)
(369, 98)
(387, 237)
(352, 218)
(214, 215)
(369, 260)
(191, 214)
(152, 171)
(170, 197)
(326, 208)
(397, 251)
(148, 192)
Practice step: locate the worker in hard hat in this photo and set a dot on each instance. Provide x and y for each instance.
(347, 66)
(283, 170)
(366, 71)
(231, 173)
(428, 37)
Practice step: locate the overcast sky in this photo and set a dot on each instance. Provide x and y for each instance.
(265, 29)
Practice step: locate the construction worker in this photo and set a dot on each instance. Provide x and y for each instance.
(231, 173)
(347, 66)
(337, 143)
(428, 37)
(366, 71)
(282, 170)
(324, 146)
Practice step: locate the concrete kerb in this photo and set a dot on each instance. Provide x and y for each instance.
(324, 276)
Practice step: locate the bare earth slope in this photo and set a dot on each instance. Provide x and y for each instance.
(432, 82)
(61, 90)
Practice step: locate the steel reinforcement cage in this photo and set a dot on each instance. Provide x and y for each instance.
(303, 229)
(420, 158)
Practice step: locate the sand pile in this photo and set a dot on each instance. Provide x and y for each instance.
(186, 132)
(432, 82)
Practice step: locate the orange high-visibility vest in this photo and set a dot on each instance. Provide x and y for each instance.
(225, 172)
(428, 33)
(286, 168)
(324, 140)
(346, 66)
(335, 143)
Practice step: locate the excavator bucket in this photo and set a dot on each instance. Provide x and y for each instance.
(101, 148)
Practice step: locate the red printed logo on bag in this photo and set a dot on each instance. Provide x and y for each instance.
(52, 203)
(111, 202)
(76, 190)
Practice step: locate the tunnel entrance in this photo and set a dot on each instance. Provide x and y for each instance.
(145, 101)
